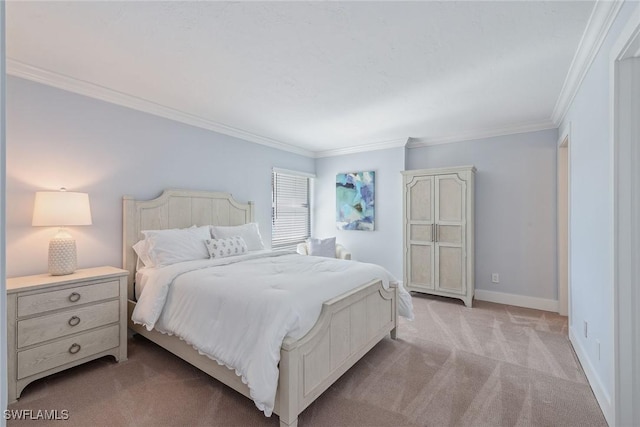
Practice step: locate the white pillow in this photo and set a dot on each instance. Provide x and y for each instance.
(142, 250)
(323, 247)
(166, 247)
(220, 248)
(249, 232)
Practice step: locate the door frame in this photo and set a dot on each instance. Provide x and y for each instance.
(563, 223)
(625, 134)
(3, 181)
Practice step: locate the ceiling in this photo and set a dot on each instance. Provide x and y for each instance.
(312, 77)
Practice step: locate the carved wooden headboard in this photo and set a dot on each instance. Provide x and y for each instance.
(176, 209)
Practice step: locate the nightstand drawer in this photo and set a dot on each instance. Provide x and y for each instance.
(47, 301)
(44, 328)
(67, 350)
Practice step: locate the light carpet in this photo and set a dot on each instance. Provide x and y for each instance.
(493, 365)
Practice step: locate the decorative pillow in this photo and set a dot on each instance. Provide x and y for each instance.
(220, 248)
(166, 247)
(249, 232)
(323, 247)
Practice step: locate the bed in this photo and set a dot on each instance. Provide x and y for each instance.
(348, 325)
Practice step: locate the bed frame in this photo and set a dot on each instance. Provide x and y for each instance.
(348, 327)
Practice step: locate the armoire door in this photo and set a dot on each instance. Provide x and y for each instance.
(450, 220)
(420, 233)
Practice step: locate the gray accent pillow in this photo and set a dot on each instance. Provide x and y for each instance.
(323, 247)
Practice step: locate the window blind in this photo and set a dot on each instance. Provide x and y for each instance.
(290, 213)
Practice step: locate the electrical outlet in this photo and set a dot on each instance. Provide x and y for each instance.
(495, 278)
(586, 329)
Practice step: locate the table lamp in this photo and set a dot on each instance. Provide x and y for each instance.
(59, 209)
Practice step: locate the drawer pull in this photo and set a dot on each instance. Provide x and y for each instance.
(75, 347)
(74, 321)
(74, 297)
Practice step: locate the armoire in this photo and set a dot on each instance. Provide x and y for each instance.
(438, 221)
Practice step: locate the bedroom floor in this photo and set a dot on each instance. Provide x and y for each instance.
(493, 365)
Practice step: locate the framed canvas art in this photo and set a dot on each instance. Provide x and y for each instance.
(355, 201)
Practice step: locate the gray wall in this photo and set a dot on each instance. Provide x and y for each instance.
(59, 139)
(591, 223)
(382, 246)
(515, 207)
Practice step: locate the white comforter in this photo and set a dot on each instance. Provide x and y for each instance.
(238, 310)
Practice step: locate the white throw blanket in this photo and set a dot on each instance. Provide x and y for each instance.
(238, 310)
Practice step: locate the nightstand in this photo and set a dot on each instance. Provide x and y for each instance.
(56, 322)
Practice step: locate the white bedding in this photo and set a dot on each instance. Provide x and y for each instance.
(238, 310)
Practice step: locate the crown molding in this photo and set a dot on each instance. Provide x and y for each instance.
(29, 72)
(481, 134)
(71, 84)
(394, 143)
(602, 17)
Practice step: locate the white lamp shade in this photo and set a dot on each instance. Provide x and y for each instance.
(61, 208)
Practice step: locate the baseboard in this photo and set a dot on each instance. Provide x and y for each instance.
(517, 300)
(603, 398)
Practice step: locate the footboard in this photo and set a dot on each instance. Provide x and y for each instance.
(348, 327)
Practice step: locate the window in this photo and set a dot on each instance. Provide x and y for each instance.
(290, 210)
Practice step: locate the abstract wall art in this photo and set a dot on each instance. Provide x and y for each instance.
(355, 201)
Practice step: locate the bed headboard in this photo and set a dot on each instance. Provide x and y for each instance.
(176, 209)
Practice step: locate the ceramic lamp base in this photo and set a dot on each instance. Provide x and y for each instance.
(62, 254)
